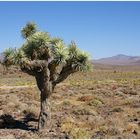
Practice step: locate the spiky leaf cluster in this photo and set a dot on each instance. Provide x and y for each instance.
(8, 57)
(28, 30)
(37, 46)
(60, 52)
(77, 58)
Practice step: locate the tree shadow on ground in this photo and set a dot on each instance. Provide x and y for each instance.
(9, 122)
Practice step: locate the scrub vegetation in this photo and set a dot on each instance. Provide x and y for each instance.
(104, 103)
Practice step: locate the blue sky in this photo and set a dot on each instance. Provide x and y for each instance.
(100, 28)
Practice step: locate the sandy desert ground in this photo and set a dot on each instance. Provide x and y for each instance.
(104, 103)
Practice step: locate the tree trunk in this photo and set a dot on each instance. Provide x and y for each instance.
(45, 86)
(45, 116)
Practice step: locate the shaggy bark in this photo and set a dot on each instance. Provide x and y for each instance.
(45, 86)
(45, 116)
(46, 83)
(65, 72)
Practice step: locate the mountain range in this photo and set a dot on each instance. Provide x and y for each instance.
(119, 59)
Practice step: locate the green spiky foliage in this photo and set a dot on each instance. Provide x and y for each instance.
(8, 57)
(29, 29)
(48, 59)
(40, 46)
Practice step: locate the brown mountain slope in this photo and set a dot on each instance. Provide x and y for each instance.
(119, 60)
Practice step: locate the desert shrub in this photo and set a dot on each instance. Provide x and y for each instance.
(85, 98)
(67, 124)
(32, 112)
(117, 109)
(131, 128)
(109, 131)
(84, 111)
(79, 133)
(132, 102)
(95, 102)
(65, 103)
(129, 91)
(67, 127)
(73, 131)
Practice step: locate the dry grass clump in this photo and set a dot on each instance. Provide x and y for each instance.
(75, 133)
(84, 111)
(32, 111)
(74, 130)
(80, 133)
(85, 98)
(109, 131)
(95, 102)
(66, 103)
(132, 129)
(130, 91)
(132, 102)
(116, 109)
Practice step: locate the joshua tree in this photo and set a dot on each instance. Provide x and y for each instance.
(49, 60)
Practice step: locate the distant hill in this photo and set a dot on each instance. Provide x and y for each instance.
(119, 60)
(1, 57)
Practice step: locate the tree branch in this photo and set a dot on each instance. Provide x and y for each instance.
(53, 70)
(66, 71)
(33, 67)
